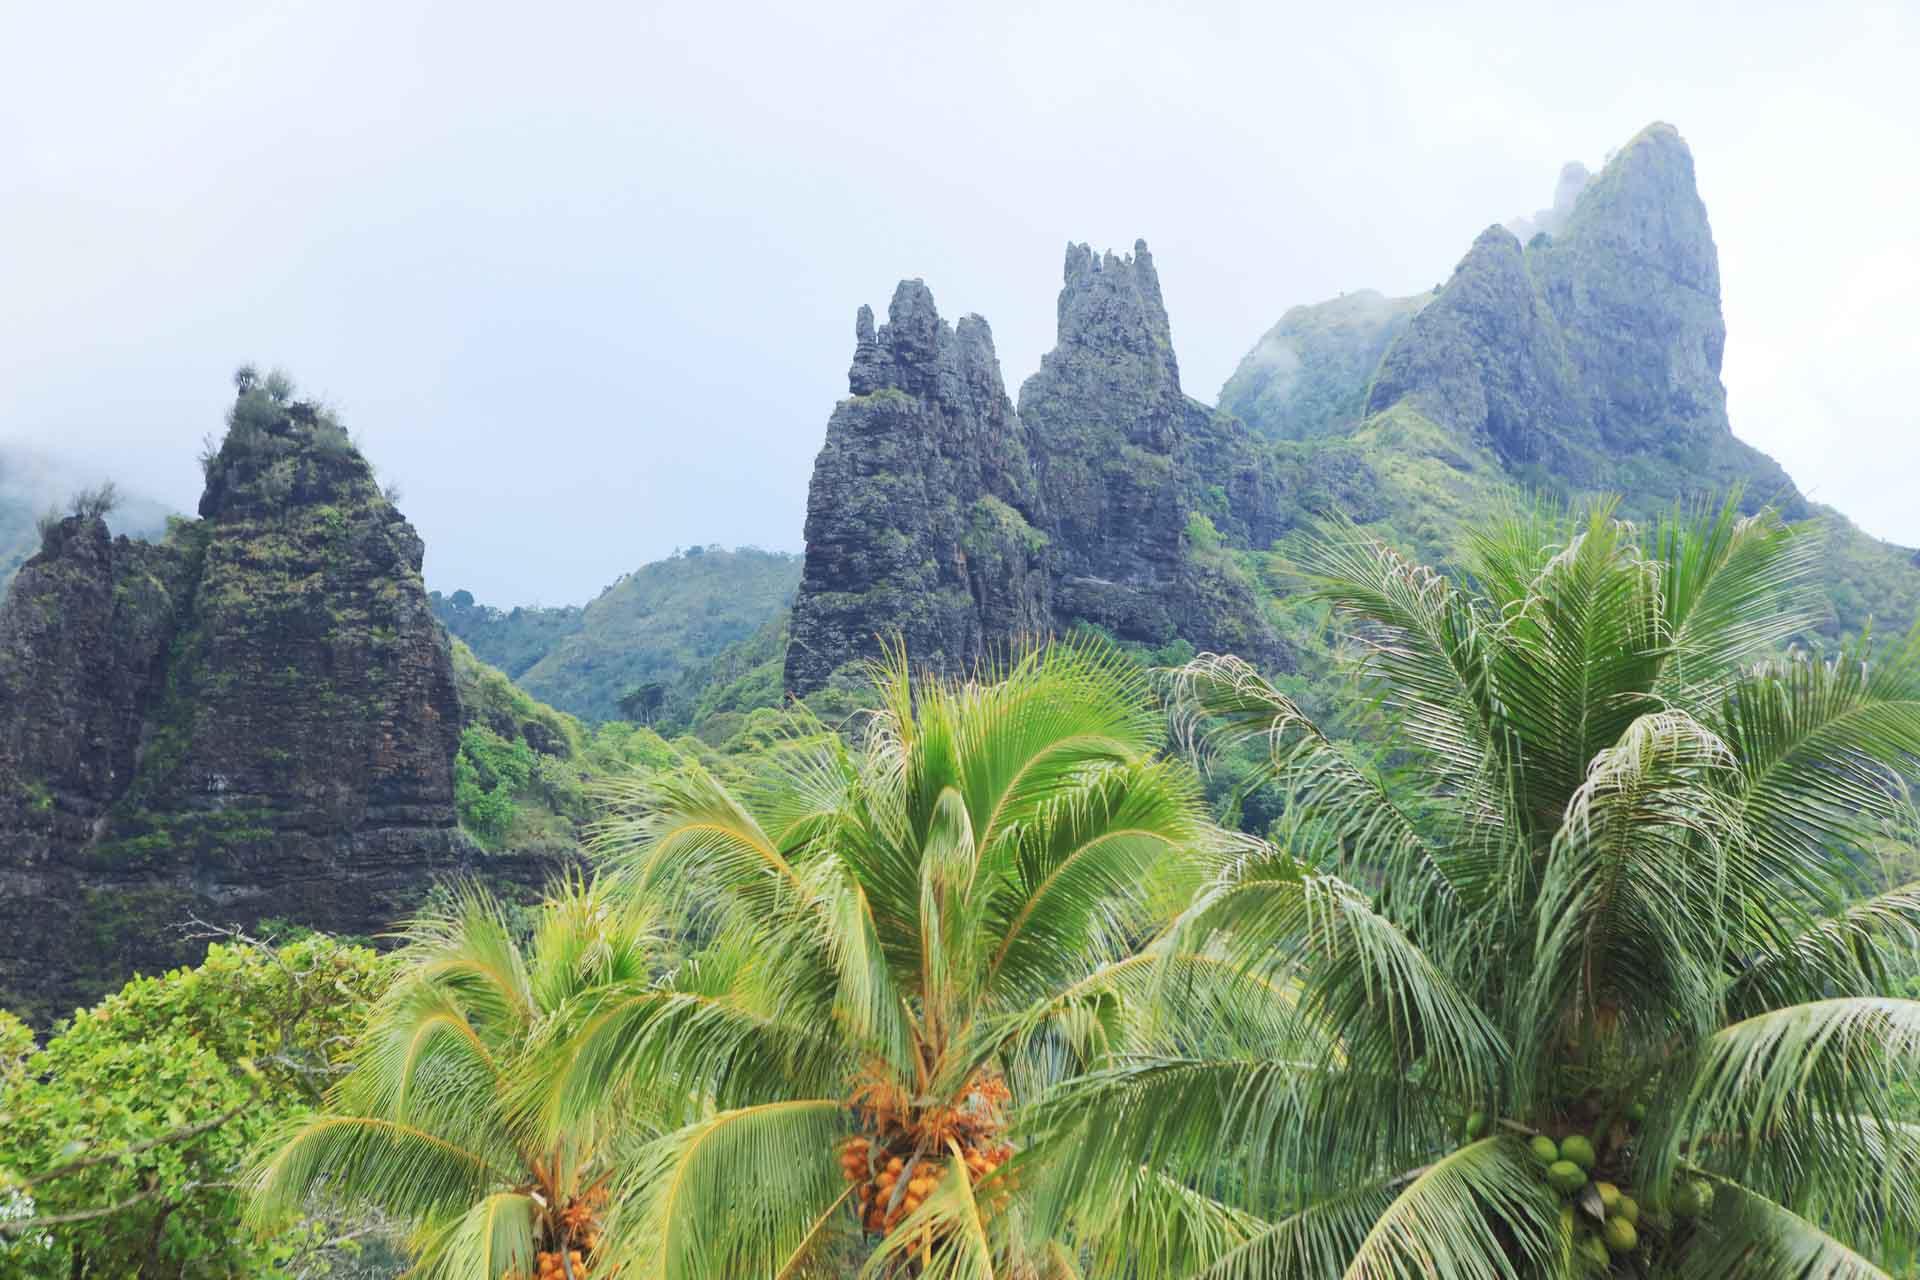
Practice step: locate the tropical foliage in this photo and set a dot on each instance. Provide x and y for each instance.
(1591, 988)
(912, 941)
(1597, 957)
(123, 1137)
(421, 1128)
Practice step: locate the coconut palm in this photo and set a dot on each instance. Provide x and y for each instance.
(1595, 993)
(908, 941)
(419, 1127)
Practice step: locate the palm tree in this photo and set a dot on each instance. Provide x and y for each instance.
(906, 943)
(419, 1127)
(1593, 991)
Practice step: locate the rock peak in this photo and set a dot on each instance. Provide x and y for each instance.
(922, 510)
(905, 353)
(1112, 303)
(1645, 206)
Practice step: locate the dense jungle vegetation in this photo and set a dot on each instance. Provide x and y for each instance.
(1597, 956)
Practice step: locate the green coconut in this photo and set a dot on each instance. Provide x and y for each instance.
(1628, 1208)
(1595, 1250)
(1694, 1198)
(1566, 1177)
(1577, 1149)
(1637, 1112)
(1545, 1150)
(1619, 1234)
(1609, 1196)
(1476, 1126)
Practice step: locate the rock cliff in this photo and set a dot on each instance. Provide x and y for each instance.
(939, 513)
(1125, 460)
(923, 514)
(256, 717)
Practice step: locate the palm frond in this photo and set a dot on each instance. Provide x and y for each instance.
(1260, 1129)
(1759, 1101)
(735, 1193)
(1750, 1237)
(1820, 744)
(1863, 950)
(1159, 1226)
(952, 1215)
(1733, 588)
(1634, 907)
(1222, 699)
(491, 1240)
(634, 1037)
(405, 1170)
(1480, 1213)
(1314, 1243)
(1359, 972)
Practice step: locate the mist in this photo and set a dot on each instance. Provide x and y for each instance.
(582, 279)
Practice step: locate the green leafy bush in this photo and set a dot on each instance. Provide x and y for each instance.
(135, 1119)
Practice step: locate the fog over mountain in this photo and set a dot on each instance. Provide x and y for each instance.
(580, 278)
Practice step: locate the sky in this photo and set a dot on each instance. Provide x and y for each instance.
(582, 277)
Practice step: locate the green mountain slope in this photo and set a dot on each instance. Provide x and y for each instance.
(644, 630)
(1586, 360)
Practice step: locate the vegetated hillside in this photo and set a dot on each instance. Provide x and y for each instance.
(33, 486)
(1307, 377)
(634, 639)
(1587, 359)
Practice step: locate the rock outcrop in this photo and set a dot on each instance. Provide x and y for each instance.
(923, 515)
(939, 514)
(255, 718)
(1126, 459)
(1488, 361)
(1586, 359)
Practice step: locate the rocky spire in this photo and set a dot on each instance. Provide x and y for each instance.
(1594, 348)
(1634, 282)
(257, 717)
(1125, 460)
(922, 514)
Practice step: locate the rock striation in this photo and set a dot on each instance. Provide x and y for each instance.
(256, 717)
(938, 513)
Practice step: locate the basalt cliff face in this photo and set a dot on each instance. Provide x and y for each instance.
(254, 718)
(940, 514)
(924, 516)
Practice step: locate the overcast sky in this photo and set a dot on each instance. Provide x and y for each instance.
(582, 278)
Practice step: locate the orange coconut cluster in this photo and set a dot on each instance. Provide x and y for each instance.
(580, 1236)
(908, 1155)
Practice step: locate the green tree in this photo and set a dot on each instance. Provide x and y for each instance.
(419, 1127)
(911, 940)
(125, 1134)
(1592, 991)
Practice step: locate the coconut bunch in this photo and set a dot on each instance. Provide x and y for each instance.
(1601, 1219)
(577, 1227)
(906, 1152)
